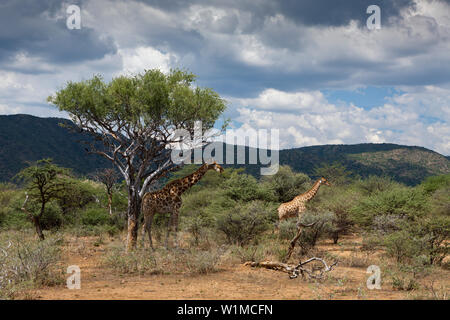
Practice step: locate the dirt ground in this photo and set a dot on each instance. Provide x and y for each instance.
(231, 282)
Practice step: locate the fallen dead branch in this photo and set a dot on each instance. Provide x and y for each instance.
(295, 270)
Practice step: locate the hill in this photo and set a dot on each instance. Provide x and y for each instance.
(26, 138)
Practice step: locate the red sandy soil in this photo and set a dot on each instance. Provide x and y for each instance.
(231, 282)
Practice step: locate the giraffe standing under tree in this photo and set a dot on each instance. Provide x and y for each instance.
(168, 200)
(296, 207)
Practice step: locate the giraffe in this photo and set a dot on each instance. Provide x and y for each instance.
(296, 207)
(168, 200)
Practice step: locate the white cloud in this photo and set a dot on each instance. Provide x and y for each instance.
(287, 101)
(142, 58)
(320, 122)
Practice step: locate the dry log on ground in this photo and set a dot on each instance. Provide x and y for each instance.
(295, 270)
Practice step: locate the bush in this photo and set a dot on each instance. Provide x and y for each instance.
(401, 246)
(287, 229)
(52, 217)
(244, 222)
(28, 264)
(78, 194)
(310, 235)
(432, 184)
(161, 261)
(11, 200)
(244, 187)
(404, 283)
(374, 184)
(95, 217)
(287, 184)
(196, 226)
(402, 202)
(340, 203)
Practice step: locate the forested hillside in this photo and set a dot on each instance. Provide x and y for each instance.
(26, 138)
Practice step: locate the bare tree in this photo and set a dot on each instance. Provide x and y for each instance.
(108, 177)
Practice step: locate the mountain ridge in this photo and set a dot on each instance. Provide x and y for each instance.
(25, 138)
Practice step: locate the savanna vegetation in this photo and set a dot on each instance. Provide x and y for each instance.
(48, 213)
(227, 218)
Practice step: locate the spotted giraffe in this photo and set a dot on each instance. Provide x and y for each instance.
(296, 207)
(168, 200)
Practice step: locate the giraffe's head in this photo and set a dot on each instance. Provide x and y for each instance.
(324, 181)
(216, 167)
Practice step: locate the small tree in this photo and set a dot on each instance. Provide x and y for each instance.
(133, 120)
(336, 173)
(287, 184)
(108, 177)
(44, 181)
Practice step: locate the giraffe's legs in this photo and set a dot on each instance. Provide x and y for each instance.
(148, 226)
(168, 230)
(175, 226)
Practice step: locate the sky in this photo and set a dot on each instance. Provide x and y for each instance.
(311, 68)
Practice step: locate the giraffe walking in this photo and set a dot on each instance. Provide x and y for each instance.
(296, 207)
(168, 200)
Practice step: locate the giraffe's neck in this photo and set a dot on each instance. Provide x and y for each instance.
(312, 192)
(195, 177)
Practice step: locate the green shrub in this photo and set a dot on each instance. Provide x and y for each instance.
(340, 203)
(374, 184)
(310, 235)
(244, 187)
(401, 246)
(52, 217)
(77, 194)
(244, 222)
(197, 226)
(94, 216)
(432, 184)
(287, 229)
(119, 220)
(335, 173)
(11, 200)
(286, 184)
(401, 202)
(404, 284)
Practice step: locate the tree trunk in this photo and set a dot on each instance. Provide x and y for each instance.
(37, 226)
(110, 203)
(35, 219)
(133, 211)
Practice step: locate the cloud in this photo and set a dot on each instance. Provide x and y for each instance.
(320, 122)
(37, 29)
(274, 60)
(144, 58)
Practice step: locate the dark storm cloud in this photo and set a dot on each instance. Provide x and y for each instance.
(305, 12)
(31, 27)
(339, 12)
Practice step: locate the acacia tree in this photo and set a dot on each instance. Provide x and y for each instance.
(133, 119)
(44, 182)
(108, 177)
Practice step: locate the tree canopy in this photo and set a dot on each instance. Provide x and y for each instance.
(133, 119)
